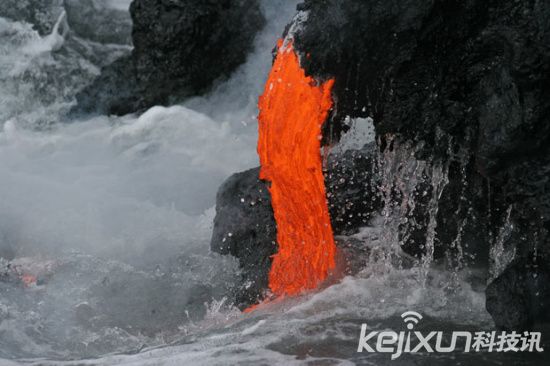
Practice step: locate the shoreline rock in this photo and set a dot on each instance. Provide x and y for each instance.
(468, 85)
(180, 49)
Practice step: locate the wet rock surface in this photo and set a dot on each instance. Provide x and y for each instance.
(180, 49)
(244, 227)
(467, 82)
(352, 183)
(519, 298)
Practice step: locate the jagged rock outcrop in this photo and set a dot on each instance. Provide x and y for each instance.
(180, 48)
(467, 83)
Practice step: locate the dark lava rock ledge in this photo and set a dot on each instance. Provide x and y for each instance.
(180, 48)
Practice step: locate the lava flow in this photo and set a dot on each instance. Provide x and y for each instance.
(293, 109)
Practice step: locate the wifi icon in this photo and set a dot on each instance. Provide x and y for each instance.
(411, 318)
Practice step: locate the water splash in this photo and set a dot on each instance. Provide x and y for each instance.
(411, 190)
(53, 41)
(499, 255)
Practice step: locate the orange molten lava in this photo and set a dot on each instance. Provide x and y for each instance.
(293, 109)
(28, 280)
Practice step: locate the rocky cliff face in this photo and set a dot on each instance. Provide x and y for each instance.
(180, 49)
(466, 86)
(455, 78)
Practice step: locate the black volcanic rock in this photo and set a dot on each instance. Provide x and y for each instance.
(467, 83)
(520, 296)
(351, 181)
(453, 74)
(180, 48)
(244, 227)
(114, 91)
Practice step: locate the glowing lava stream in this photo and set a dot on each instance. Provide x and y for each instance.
(293, 109)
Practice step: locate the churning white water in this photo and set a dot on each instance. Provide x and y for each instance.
(114, 215)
